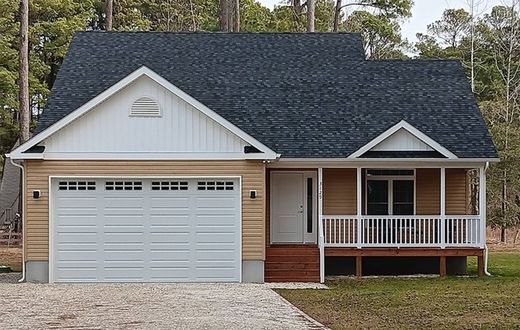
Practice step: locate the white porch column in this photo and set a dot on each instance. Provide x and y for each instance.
(482, 206)
(359, 208)
(443, 208)
(321, 240)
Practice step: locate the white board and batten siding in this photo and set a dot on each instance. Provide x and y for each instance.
(145, 230)
(121, 126)
(402, 140)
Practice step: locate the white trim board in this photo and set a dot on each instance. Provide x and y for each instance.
(142, 71)
(412, 130)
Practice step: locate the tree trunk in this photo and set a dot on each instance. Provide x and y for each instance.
(109, 14)
(310, 15)
(23, 79)
(337, 14)
(236, 22)
(224, 15)
(503, 233)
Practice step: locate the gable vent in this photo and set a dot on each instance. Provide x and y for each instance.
(145, 107)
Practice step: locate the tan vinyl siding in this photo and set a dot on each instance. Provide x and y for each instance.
(339, 191)
(428, 191)
(428, 198)
(37, 178)
(456, 191)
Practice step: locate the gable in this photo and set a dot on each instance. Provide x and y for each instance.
(144, 117)
(402, 140)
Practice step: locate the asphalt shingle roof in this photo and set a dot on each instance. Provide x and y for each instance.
(303, 95)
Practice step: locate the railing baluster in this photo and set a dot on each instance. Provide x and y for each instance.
(330, 228)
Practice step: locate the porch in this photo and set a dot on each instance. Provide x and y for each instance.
(368, 211)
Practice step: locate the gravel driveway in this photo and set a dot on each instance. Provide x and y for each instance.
(140, 306)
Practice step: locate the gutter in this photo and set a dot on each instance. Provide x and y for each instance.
(22, 216)
(486, 250)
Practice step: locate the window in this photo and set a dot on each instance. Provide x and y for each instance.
(377, 197)
(123, 185)
(402, 201)
(77, 185)
(390, 192)
(169, 185)
(215, 185)
(309, 205)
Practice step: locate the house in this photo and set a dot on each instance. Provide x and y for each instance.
(250, 157)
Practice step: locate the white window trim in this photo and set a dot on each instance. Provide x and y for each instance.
(412, 130)
(267, 153)
(390, 179)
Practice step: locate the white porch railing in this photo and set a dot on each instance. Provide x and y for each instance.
(401, 231)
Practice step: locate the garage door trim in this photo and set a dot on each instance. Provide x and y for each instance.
(145, 177)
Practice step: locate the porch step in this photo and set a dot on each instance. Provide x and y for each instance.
(292, 263)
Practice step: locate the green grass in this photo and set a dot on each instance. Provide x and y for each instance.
(418, 303)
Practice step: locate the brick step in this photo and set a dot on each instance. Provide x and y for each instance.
(295, 259)
(292, 253)
(292, 265)
(315, 279)
(292, 273)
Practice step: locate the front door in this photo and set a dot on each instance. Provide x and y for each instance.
(293, 207)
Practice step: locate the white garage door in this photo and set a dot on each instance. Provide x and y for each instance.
(145, 230)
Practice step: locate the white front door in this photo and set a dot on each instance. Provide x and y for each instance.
(293, 207)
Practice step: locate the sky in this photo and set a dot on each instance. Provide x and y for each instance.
(425, 12)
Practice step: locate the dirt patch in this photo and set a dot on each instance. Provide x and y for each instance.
(11, 257)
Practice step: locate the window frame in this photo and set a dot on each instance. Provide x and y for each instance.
(390, 179)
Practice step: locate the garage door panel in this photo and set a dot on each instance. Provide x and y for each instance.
(170, 255)
(76, 237)
(77, 255)
(216, 274)
(169, 220)
(225, 220)
(142, 234)
(79, 274)
(173, 237)
(216, 254)
(130, 228)
(216, 237)
(80, 227)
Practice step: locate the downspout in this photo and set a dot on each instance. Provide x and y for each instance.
(486, 250)
(22, 216)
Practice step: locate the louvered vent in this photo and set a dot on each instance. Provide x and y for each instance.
(145, 107)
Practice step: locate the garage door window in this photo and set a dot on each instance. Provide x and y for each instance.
(169, 185)
(123, 185)
(215, 185)
(77, 185)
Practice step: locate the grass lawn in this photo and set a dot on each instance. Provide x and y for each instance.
(418, 303)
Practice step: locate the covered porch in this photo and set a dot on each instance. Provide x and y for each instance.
(379, 210)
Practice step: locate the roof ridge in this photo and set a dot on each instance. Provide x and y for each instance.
(219, 32)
